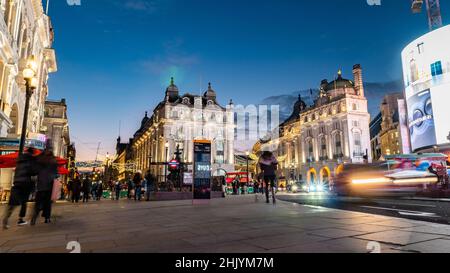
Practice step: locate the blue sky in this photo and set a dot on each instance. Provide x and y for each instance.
(116, 57)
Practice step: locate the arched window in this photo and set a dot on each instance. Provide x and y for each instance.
(310, 150)
(338, 145)
(357, 140)
(323, 148)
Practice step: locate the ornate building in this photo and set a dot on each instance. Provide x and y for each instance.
(56, 127)
(386, 129)
(315, 140)
(25, 31)
(175, 123)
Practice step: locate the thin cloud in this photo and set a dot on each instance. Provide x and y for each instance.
(173, 56)
(141, 5)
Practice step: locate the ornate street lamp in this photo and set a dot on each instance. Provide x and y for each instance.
(166, 163)
(248, 173)
(31, 83)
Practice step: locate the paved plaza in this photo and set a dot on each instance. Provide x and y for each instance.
(232, 225)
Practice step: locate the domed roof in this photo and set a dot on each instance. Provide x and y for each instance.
(339, 83)
(172, 87)
(210, 93)
(299, 107)
(145, 119)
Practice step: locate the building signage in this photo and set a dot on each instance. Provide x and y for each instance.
(202, 170)
(426, 73)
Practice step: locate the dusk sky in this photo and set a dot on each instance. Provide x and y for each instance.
(115, 58)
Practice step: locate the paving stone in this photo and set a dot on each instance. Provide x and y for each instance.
(433, 246)
(335, 233)
(399, 237)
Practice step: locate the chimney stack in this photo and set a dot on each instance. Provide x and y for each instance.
(357, 75)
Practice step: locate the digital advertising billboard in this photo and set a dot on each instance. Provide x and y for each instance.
(426, 74)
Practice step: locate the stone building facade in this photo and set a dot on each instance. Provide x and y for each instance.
(175, 123)
(56, 127)
(25, 31)
(387, 137)
(317, 139)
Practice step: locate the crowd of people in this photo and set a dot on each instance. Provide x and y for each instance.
(35, 175)
(137, 187)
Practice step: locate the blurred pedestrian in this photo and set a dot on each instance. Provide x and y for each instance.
(268, 165)
(94, 190)
(47, 173)
(23, 186)
(118, 189)
(137, 180)
(86, 188)
(99, 190)
(130, 188)
(76, 190)
(150, 185)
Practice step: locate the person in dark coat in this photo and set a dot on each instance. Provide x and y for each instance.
(150, 185)
(23, 186)
(137, 180)
(130, 187)
(99, 190)
(48, 172)
(86, 188)
(118, 189)
(76, 190)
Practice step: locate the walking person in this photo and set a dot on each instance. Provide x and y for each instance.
(94, 190)
(86, 188)
(118, 189)
(137, 180)
(48, 171)
(150, 185)
(268, 165)
(23, 186)
(130, 188)
(76, 190)
(99, 190)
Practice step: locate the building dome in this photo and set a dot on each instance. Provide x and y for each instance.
(210, 93)
(172, 87)
(172, 91)
(339, 83)
(145, 119)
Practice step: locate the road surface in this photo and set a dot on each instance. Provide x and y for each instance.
(423, 209)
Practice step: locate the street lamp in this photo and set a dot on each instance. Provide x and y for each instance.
(31, 83)
(166, 163)
(248, 174)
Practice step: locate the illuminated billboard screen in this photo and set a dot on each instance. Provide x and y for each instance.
(426, 73)
(421, 121)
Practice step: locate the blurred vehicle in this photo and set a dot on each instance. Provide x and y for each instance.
(299, 186)
(402, 175)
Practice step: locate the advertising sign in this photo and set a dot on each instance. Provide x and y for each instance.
(421, 120)
(202, 170)
(426, 74)
(188, 179)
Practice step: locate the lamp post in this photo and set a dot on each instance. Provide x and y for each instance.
(248, 173)
(166, 163)
(29, 74)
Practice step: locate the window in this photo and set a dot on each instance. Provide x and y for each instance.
(355, 107)
(357, 139)
(323, 148)
(310, 150)
(338, 145)
(220, 152)
(436, 69)
(355, 123)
